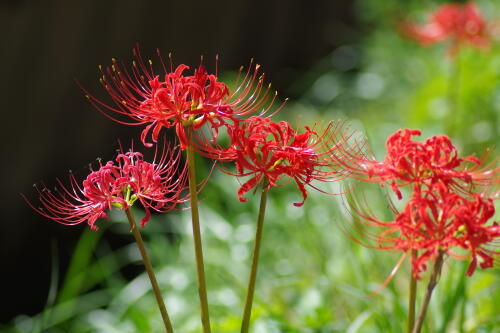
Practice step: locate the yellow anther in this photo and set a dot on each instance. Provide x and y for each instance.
(117, 205)
(132, 199)
(278, 162)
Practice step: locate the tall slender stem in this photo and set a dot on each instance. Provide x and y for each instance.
(195, 219)
(436, 272)
(413, 297)
(149, 269)
(255, 261)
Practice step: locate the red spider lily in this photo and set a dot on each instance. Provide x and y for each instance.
(178, 100)
(448, 209)
(158, 186)
(434, 220)
(277, 154)
(412, 162)
(460, 23)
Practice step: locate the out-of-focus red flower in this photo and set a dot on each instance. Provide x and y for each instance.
(180, 100)
(437, 219)
(277, 154)
(120, 183)
(409, 162)
(449, 206)
(458, 23)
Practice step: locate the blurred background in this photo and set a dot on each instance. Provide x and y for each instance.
(333, 59)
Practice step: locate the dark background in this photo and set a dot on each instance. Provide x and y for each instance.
(49, 128)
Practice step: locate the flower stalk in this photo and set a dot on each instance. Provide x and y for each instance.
(149, 269)
(198, 249)
(255, 260)
(436, 272)
(412, 299)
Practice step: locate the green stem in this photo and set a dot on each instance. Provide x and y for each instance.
(255, 261)
(436, 272)
(195, 219)
(412, 299)
(149, 269)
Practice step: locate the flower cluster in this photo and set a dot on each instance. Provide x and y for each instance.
(179, 100)
(119, 183)
(445, 209)
(277, 154)
(459, 23)
(412, 162)
(444, 186)
(260, 148)
(438, 219)
(267, 152)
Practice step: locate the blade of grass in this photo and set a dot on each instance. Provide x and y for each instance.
(453, 300)
(54, 281)
(74, 279)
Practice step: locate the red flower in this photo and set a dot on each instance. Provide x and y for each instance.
(448, 208)
(438, 219)
(180, 100)
(412, 162)
(276, 153)
(119, 184)
(460, 23)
